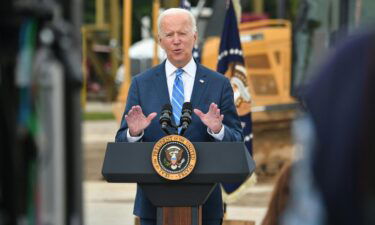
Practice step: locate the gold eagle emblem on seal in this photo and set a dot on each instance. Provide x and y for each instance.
(173, 157)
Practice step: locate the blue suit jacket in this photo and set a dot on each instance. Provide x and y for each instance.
(150, 91)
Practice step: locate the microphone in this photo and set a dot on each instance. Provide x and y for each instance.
(185, 120)
(165, 118)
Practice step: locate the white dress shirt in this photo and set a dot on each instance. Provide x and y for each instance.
(188, 78)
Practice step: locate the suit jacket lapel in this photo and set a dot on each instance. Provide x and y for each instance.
(161, 86)
(200, 86)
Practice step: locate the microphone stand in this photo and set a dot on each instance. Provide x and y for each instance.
(164, 127)
(175, 129)
(183, 129)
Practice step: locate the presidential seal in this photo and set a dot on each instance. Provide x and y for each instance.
(173, 157)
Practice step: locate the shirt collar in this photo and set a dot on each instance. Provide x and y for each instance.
(190, 68)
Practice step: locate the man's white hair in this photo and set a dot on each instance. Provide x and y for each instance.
(171, 11)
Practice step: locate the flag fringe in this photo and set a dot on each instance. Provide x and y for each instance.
(241, 191)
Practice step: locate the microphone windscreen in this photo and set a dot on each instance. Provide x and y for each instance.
(188, 106)
(167, 107)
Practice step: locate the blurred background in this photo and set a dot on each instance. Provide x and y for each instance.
(66, 66)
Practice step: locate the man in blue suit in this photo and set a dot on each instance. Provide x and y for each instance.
(210, 93)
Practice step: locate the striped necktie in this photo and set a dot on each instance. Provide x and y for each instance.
(178, 96)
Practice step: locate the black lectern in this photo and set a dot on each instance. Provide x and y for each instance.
(179, 201)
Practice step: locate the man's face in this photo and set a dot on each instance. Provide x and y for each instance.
(177, 38)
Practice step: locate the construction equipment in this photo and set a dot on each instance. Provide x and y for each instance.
(266, 47)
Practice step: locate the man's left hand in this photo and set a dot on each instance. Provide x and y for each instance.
(212, 119)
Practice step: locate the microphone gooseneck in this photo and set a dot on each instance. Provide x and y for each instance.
(185, 120)
(165, 118)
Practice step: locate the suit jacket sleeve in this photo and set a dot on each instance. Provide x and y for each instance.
(232, 123)
(132, 100)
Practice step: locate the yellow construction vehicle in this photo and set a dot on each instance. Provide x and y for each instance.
(266, 46)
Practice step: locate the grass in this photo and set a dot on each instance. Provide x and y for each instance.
(98, 116)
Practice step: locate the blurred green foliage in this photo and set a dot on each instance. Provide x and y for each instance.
(140, 9)
(98, 116)
(270, 8)
(143, 8)
(89, 11)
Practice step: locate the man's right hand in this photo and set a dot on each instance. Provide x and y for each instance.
(137, 121)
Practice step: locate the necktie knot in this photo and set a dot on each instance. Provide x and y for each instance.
(179, 73)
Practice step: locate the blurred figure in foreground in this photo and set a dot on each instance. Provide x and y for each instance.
(340, 102)
(280, 196)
